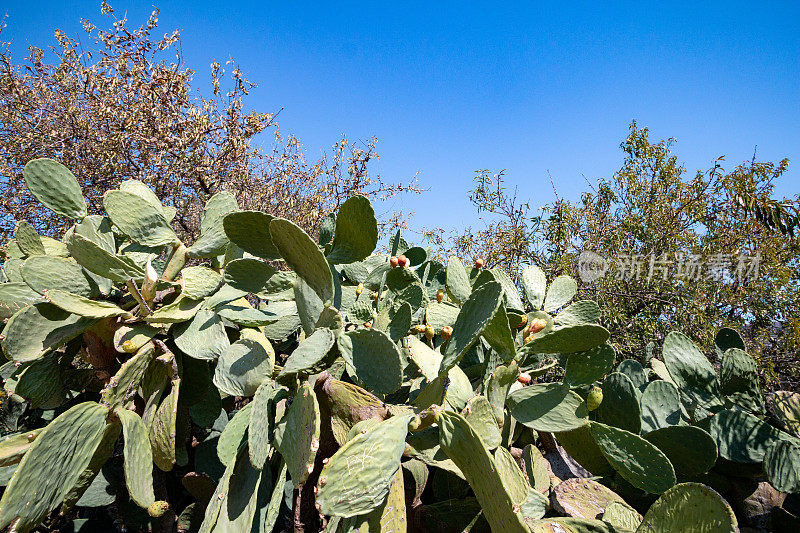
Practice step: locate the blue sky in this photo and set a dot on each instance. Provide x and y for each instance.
(530, 87)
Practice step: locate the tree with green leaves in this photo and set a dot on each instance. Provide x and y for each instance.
(696, 252)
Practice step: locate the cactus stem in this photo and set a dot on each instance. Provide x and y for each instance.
(176, 263)
(144, 309)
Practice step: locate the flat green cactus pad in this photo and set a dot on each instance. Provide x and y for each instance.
(249, 230)
(297, 435)
(15, 296)
(782, 466)
(739, 381)
(202, 337)
(661, 406)
(139, 219)
(356, 231)
(534, 282)
(138, 458)
(584, 368)
(583, 498)
(358, 477)
(786, 405)
(561, 291)
(263, 414)
(742, 437)
(642, 464)
(689, 503)
(123, 386)
(56, 187)
(213, 241)
(306, 358)
(458, 287)
(548, 407)
(569, 339)
(463, 445)
(81, 306)
(690, 449)
(36, 328)
(475, 315)
(373, 359)
(620, 406)
(94, 258)
(582, 312)
(46, 474)
(303, 255)
(44, 272)
(691, 371)
(622, 517)
(243, 366)
(571, 525)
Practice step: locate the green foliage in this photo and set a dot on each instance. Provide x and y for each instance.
(333, 374)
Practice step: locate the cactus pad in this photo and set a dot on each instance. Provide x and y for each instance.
(584, 368)
(474, 317)
(373, 359)
(689, 503)
(309, 357)
(356, 231)
(458, 287)
(303, 255)
(782, 466)
(691, 450)
(297, 435)
(46, 474)
(569, 339)
(56, 187)
(583, 498)
(203, 337)
(138, 458)
(742, 437)
(36, 328)
(358, 477)
(548, 407)
(786, 406)
(139, 219)
(620, 407)
(243, 366)
(642, 464)
(661, 406)
(463, 445)
(691, 371)
(561, 291)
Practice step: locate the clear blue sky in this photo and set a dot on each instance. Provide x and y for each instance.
(526, 86)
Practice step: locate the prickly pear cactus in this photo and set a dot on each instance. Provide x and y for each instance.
(262, 378)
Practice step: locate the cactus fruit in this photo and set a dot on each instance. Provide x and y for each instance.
(479, 263)
(402, 261)
(524, 378)
(439, 296)
(157, 509)
(446, 333)
(429, 332)
(595, 398)
(394, 261)
(359, 289)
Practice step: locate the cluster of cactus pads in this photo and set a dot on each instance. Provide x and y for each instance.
(261, 380)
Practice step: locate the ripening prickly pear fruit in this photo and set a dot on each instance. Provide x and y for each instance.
(479, 263)
(440, 295)
(393, 261)
(367, 324)
(157, 508)
(595, 398)
(429, 332)
(523, 321)
(402, 261)
(419, 328)
(446, 332)
(524, 378)
(128, 346)
(359, 289)
(537, 325)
